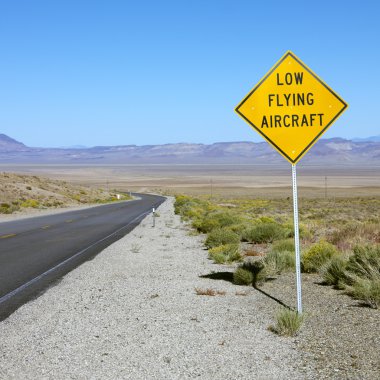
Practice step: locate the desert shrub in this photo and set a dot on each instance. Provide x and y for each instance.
(354, 232)
(243, 276)
(191, 208)
(257, 269)
(288, 322)
(370, 231)
(367, 290)
(343, 234)
(317, 256)
(302, 230)
(30, 203)
(266, 219)
(364, 267)
(365, 261)
(221, 236)
(283, 245)
(6, 208)
(264, 233)
(180, 201)
(279, 261)
(238, 228)
(225, 253)
(192, 211)
(334, 272)
(212, 220)
(225, 218)
(360, 274)
(218, 257)
(204, 224)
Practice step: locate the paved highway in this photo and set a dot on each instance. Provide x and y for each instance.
(37, 251)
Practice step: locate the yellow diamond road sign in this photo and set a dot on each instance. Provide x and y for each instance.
(291, 107)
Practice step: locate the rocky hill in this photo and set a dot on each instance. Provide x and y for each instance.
(21, 192)
(8, 144)
(325, 151)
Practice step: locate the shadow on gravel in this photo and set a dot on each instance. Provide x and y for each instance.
(361, 305)
(273, 298)
(229, 276)
(225, 276)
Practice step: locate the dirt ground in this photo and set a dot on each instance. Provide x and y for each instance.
(256, 181)
(25, 193)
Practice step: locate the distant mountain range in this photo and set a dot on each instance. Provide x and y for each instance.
(371, 138)
(335, 151)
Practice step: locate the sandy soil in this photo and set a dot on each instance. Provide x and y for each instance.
(22, 195)
(226, 180)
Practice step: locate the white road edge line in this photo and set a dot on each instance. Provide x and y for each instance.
(35, 279)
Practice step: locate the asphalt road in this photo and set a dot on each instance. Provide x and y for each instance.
(36, 252)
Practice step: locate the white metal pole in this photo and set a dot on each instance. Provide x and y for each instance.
(297, 240)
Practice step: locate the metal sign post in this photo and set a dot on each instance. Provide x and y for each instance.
(154, 216)
(297, 240)
(291, 107)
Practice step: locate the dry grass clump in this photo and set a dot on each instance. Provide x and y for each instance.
(367, 290)
(209, 292)
(216, 219)
(334, 272)
(221, 236)
(243, 276)
(9, 208)
(250, 272)
(266, 232)
(357, 273)
(283, 245)
(353, 233)
(277, 262)
(364, 266)
(317, 255)
(243, 293)
(251, 252)
(288, 322)
(225, 253)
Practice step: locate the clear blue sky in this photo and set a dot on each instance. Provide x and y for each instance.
(111, 72)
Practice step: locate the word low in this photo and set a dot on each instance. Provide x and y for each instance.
(285, 101)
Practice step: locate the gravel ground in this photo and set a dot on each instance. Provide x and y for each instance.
(133, 313)
(340, 338)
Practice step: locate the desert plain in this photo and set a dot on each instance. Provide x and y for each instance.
(234, 180)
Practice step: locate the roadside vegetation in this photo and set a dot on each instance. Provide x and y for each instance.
(20, 192)
(288, 322)
(340, 239)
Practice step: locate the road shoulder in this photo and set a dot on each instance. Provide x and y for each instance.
(132, 312)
